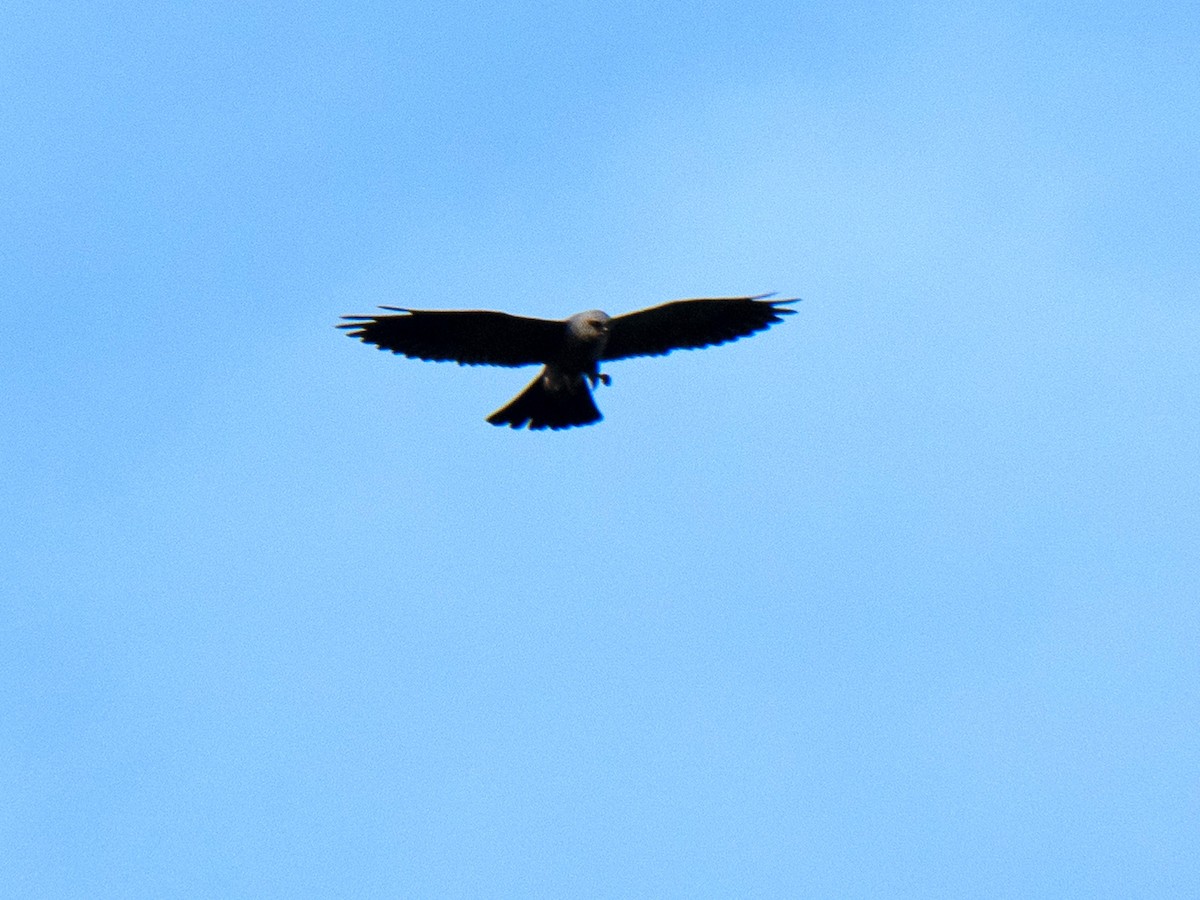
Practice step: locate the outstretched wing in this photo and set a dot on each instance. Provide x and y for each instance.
(690, 324)
(468, 337)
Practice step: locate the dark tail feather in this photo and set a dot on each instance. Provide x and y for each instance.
(550, 403)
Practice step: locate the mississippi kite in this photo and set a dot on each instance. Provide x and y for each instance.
(569, 350)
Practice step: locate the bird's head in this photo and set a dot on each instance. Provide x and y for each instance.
(589, 326)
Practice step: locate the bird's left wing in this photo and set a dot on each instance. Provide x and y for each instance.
(468, 337)
(691, 324)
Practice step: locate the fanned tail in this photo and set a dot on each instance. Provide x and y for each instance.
(550, 401)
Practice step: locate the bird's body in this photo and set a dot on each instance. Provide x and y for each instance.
(561, 395)
(570, 351)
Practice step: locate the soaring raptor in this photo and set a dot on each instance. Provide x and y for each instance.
(570, 351)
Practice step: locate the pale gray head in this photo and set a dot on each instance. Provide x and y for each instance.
(589, 327)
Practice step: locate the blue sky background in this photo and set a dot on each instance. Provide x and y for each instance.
(897, 599)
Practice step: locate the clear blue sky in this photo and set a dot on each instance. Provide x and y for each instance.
(897, 599)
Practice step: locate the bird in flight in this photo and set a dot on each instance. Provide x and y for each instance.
(570, 351)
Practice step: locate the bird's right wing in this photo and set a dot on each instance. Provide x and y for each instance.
(468, 337)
